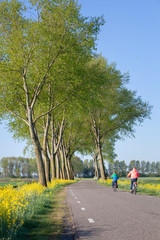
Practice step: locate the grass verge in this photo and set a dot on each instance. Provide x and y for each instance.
(47, 223)
(152, 188)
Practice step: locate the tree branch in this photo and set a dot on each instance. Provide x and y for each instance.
(41, 83)
(15, 115)
(53, 108)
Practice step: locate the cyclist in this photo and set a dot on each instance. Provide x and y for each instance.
(134, 175)
(115, 178)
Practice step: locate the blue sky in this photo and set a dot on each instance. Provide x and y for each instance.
(131, 38)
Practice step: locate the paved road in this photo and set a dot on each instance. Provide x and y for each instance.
(101, 214)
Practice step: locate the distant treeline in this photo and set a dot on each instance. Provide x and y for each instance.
(150, 169)
(145, 168)
(16, 167)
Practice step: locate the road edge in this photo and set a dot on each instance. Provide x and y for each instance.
(69, 231)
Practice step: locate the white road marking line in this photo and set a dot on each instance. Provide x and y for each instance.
(83, 209)
(90, 220)
(75, 198)
(78, 201)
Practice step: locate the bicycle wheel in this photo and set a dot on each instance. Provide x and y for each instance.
(115, 187)
(134, 189)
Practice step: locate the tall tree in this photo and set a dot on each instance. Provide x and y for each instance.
(33, 52)
(148, 167)
(78, 165)
(143, 167)
(153, 168)
(123, 168)
(158, 168)
(110, 168)
(138, 165)
(113, 110)
(116, 167)
(132, 164)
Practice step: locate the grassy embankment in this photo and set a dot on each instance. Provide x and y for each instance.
(150, 186)
(30, 211)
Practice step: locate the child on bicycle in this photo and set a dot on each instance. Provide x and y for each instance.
(134, 175)
(115, 178)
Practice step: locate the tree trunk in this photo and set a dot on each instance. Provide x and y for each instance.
(101, 164)
(47, 167)
(55, 143)
(96, 166)
(70, 168)
(44, 152)
(53, 166)
(67, 168)
(57, 166)
(62, 163)
(37, 149)
(53, 155)
(96, 131)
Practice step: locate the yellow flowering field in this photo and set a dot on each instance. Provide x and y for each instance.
(142, 187)
(17, 204)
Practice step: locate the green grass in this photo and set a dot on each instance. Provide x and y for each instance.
(14, 182)
(141, 180)
(47, 221)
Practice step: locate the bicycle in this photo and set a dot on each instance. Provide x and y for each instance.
(134, 188)
(115, 187)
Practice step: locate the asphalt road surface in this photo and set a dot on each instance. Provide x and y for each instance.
(101, 214)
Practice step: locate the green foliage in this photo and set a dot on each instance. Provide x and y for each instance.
(78, 165)
(83, 168)
(122, 168)
(18, 167)
(49, 67)
(45, 46)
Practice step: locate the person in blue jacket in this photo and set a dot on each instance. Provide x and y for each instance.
(115, 178)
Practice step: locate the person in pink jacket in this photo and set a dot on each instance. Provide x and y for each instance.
(134, 175)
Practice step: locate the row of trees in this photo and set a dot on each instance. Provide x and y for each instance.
(145, 168)
(86, 168)
(56, 92)
(17, 167)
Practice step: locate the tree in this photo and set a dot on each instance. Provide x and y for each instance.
(153, 168)
(4, 167)
(18, 167)
(123, 168)
(116, 167)
(138, 165)
(132, 164)
(158, 168)
(38, 59)
(114, 110)
(148, 167)
(143, 167)
(110, 168)
(78, 166)
(89, 169)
